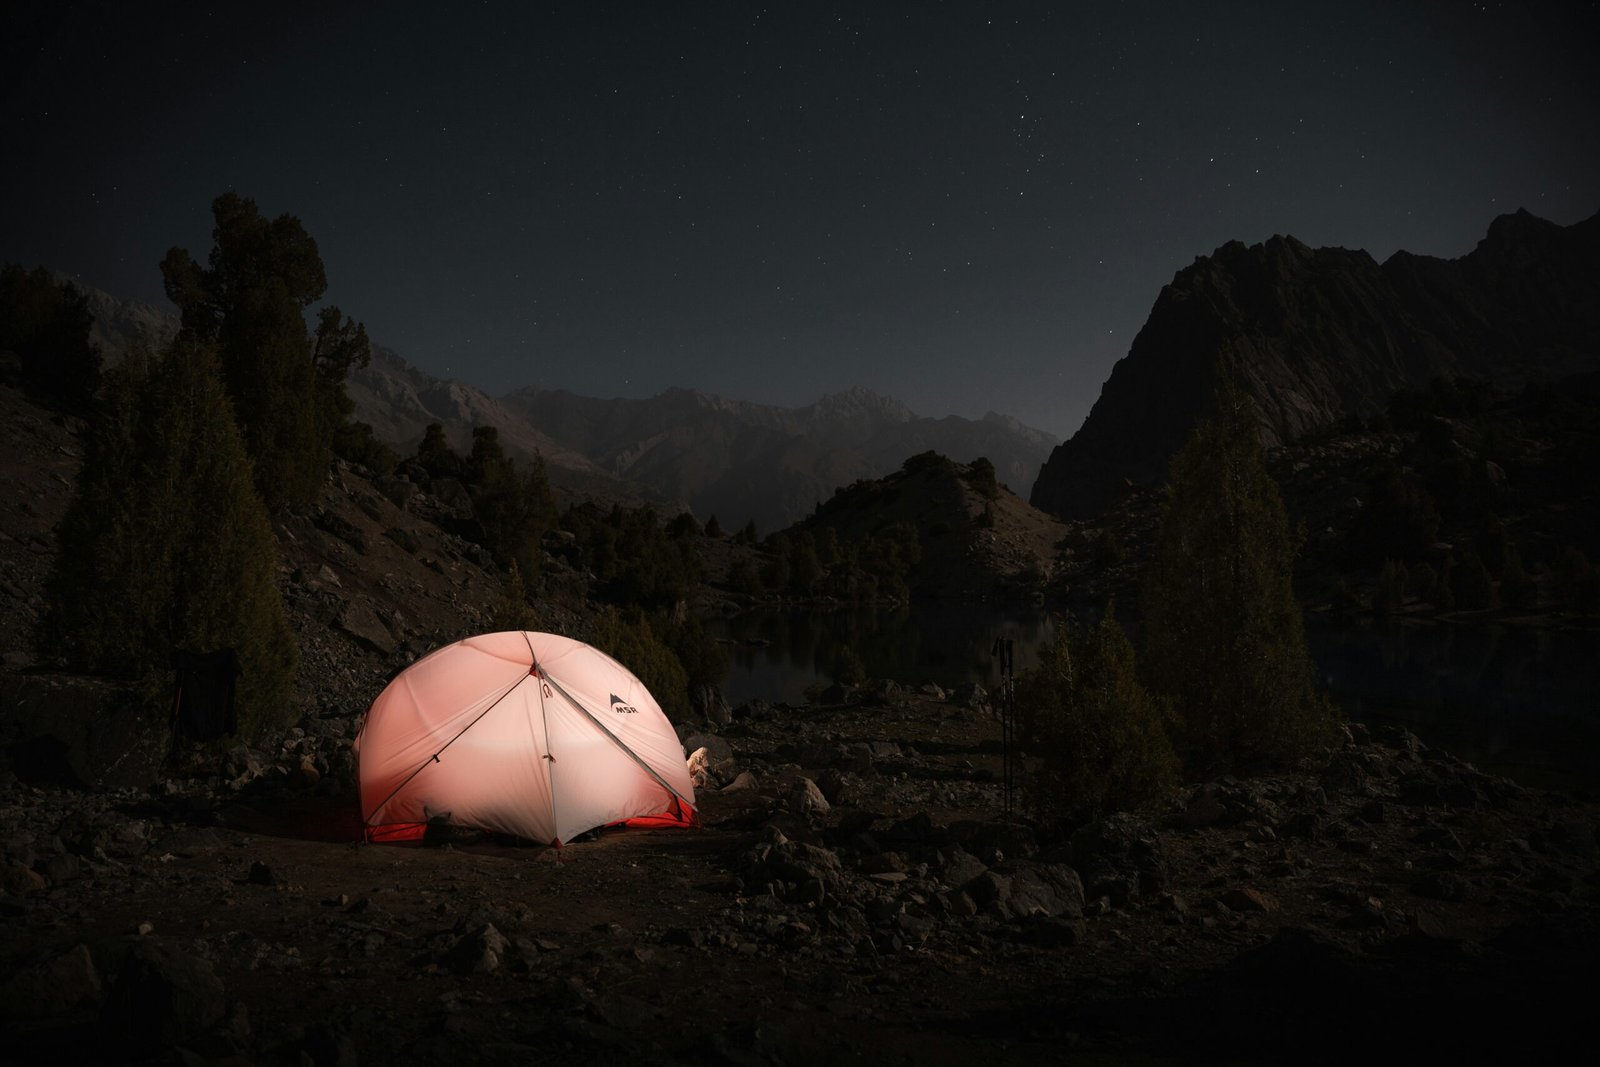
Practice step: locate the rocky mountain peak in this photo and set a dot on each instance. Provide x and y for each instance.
(1318, 334)
(857, 402)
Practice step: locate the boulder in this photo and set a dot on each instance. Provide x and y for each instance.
(1119, 857)
(362, 624)
(52, 988)
(84, 733)
(1050, 889)
(161, 996)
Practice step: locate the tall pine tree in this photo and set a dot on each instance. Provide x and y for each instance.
(250, 302)
(1224, 638)
(167, 545)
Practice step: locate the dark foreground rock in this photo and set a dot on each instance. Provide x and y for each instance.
(1374, 899)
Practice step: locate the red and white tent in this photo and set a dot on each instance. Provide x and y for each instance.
(523, 733)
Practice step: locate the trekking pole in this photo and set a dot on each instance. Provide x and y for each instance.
(1003, 652)
(1012, 756)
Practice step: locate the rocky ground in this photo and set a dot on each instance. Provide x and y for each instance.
(855, 889)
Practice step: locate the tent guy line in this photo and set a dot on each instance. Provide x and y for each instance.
(630, 753)
(435, 757)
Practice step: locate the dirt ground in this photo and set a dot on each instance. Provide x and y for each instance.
(1280, 924)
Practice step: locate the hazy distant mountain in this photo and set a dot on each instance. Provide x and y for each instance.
(1317, 334)
(730, 458)
(739, 460)
(120, 324)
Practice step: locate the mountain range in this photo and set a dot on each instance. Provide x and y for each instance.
(1315, 335)
(682, 449)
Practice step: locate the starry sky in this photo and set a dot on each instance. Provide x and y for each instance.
(966, 206)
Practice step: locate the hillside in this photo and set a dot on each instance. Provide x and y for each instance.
(973, 539)
(852, 884)
(741, 461)
(682, 450)
(1316, 335)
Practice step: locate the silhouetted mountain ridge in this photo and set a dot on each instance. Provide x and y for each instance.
(1318, 334)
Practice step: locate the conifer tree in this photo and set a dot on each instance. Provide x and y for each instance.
(167, 546)
(46, 326)
(435, 455)
(1224, 637)
(1100, 735)
(250, 303)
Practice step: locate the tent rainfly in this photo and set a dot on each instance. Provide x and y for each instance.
(523, 733)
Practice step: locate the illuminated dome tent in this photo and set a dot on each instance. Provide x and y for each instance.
(521, 733)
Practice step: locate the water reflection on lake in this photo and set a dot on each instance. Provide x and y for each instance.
(933, 642)
(1517, 701)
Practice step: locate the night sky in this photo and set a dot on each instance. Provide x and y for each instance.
(965, 206)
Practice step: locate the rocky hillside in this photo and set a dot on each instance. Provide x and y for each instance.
(742, 461)
(974, 539)
(1320, 334)
(691, 450)
(683, 449)
(370, 576)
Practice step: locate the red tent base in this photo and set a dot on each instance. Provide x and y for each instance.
(679, 815)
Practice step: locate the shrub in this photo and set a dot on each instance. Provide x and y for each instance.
(1471, 584)
(1108, 551)
(980, 475)
(47, 327)
(1390, 592)
(1517, 588)
(1100, 736)
(628, 638)
(167, 545)
(1224, 636)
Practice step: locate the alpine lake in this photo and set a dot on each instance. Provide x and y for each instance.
(1518, 700)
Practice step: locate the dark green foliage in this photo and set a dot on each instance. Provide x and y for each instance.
(47, 327)
(636, 561)
(747, 535)
(512, 611)
(1400, 520)
(1424, 582)
(513, 507)
(1576, 582)
(829, 549)
(985, 518)
(779, 570)
(167, 545)
(848, 668)
(702, 658)
(435, 456)
(805, 568)
(1390, 592)
(1100, 736)
(1494, 545)
(1444, 591)
(713, 527)
(744, 578)
(1108, 551)
(338, 348)
(355, 442)
(250, 303)
(1517, 588)
(1471, 584)
(627, 637)
(980, 475)
(1224, 638)
(684, 527)
(927, 461)
(1344, 598)
(1451, 398)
